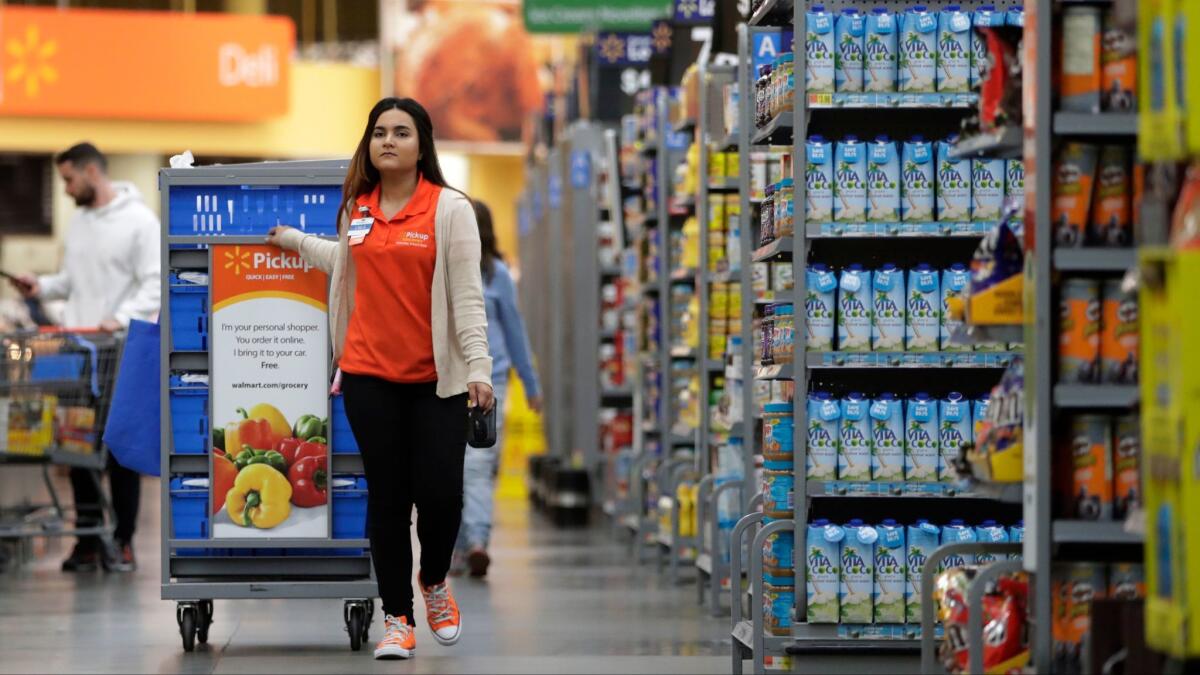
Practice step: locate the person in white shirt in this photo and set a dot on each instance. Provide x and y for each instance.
(110, 275)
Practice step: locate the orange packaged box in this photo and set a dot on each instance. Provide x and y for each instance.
(1118, 63)
(1091, 467)
(1074, 585)
(1127, 459)
(1080, 59)
(1110, 221)
(1118, 334)
(1079, 331)
(1074, 180)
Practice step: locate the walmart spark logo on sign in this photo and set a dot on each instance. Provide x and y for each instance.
(31, 61)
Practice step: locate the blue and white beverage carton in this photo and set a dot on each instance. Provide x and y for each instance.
(883, 181)
(957, 532)
(854, 310)
(890, 579)
(1016, 535)
(1015, 16)
(888, 309)
(819, 48)
(850, 180)
(984, 17)
(955, 280)
(849, 31)
(823, 560)
(987, 188)
(954, 418)
(881, 51)
(857, 592)
(818, 180)
(979, 413)
(920, 541)
(917, 44)
(824, 415)
(922, 316)
(819, 307)
(887, 435)
(988, 532)
(954, 50)
(921, 439)
(1014, 183)
(917, 178)
(854, 450)
(953, 184)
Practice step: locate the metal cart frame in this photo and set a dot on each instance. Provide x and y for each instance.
(195, 582)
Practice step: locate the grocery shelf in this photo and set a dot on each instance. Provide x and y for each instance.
(909, 359)
(774, 130)
(902, 229)
(606, 335)
(778, 371)
(971, 334)
(610, 271)
(684, 126)
(616, 393)
(678, 440)
(1096, 124)
(866, 636)
(772, 644)
(1093, 532)
(822, 101)
(683, 353)
(730, 142)
(725, 277)
(767, 298)
(1088, 396)
(683, 275)
(771, 9)
(714, 366)
(850, 489)
(1005, 143)
(773, 250)
(1095, 259)
(727, 186)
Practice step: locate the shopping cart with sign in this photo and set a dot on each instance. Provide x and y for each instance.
(55, 391)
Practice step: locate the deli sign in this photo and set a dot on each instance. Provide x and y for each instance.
(110, 64)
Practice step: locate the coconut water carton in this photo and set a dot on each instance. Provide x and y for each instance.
(824, 433)
(917, 178)
(954, 282)
(953, 184)
(917, 44)
(857, 591)
(1014, 184)
(888, 309)
(920, 541)
(819, 47)
(984, 17)
(890, 578)
(957, 533)
(954, 50)
(818, 180)
(987, 188)
(989, 532)
(850, 181)
(854, 310)
(921, 439)
(819, 306)
(923, 314)
(823, 562)
(848, 32)
(887, 435)
(881, 51)
(1015, 17)
(979, 411)
(883, 181)
(954, 418)
(854, 450)
(1016, 534)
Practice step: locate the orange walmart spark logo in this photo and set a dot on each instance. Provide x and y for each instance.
(237, 259)
(31, 61)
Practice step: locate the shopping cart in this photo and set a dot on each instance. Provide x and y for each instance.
(55, 390)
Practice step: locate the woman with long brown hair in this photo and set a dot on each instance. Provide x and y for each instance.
(410, 338)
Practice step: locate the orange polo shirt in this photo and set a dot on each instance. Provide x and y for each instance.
(391, 334)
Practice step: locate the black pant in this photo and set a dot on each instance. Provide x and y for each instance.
(126, 488)
(412, 446)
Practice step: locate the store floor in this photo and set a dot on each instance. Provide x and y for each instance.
(556, 601)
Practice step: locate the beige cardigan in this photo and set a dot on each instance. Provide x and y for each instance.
(458, 309)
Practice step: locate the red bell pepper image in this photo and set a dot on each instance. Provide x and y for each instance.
(309, 477)
(294, 449)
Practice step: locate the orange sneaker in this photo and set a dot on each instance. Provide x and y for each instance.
(442, 612)
(399, 641)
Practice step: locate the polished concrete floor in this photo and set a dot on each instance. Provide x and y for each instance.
(556, 601)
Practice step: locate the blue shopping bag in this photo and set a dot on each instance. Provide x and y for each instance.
(134, 419)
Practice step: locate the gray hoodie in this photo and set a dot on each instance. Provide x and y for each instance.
(111, 264)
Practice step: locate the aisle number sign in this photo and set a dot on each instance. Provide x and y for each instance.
(577, 16)
(270, 378)
(110, 64)
(769, 45)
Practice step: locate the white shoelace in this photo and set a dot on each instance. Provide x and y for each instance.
(439, 603)
(397, 630)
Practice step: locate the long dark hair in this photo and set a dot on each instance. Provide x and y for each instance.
(362, 176)
(489, 251)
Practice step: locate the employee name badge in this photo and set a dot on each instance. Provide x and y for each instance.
(359, 229)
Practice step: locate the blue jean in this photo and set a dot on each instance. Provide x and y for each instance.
(479, 482)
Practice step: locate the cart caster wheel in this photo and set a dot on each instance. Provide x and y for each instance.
(356, 627)
(205, 620)
(187, 627)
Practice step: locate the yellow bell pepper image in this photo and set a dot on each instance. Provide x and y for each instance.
(268, 412)
(261, 497)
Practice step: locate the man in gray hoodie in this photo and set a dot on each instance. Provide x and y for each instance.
(110, 275)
